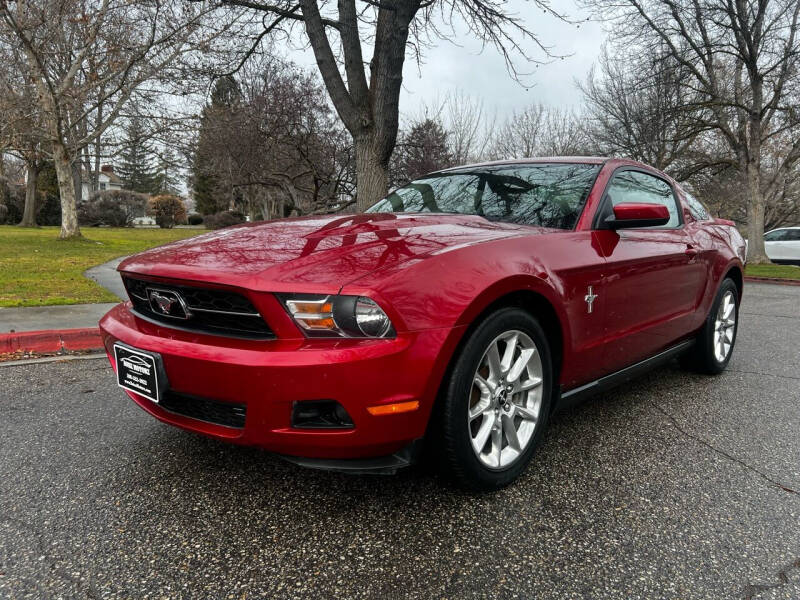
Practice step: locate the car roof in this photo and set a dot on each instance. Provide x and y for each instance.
(586, 160)
(591, 160)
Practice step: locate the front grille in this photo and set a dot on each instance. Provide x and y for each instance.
(218, 312)
(204, 409)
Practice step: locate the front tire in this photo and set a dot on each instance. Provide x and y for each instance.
(715, 341)
(496, 401)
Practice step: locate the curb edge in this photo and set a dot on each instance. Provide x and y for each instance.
(52, 340)
(775, 280)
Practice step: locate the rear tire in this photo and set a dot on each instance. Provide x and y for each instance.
(715, 341)
(496, 401)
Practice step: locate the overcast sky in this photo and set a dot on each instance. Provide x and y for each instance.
(458, 64)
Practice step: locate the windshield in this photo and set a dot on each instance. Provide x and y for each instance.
(544, 195)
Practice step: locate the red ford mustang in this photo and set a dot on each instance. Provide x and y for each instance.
(460, 310)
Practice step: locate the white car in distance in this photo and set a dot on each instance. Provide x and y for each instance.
(783, 245)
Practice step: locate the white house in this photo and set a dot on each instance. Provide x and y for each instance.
(107, 180)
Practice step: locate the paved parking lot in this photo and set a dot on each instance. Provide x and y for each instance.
(679, 486)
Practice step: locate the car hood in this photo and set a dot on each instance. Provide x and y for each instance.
(315, 254)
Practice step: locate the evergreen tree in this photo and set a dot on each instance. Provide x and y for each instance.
(166, 179)
(224, 97)
(205, 199)
(136, 166)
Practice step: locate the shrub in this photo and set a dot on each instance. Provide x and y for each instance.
(49, 209)
(167, 209)
(114, 208)
(5, 190)
(47, 205)
(224, 219)
(195, 219)
(13, 198)
(133, 203)
(5, 199)
(101, 211)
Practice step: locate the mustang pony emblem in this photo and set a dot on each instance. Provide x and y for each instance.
(167, 303)
(590, 297)
(163, 303)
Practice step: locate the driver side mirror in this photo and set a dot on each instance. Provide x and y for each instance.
(637, 214)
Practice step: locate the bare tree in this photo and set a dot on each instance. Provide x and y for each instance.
(743, 58)
(470, 127)
(538, 130)
(21, 132)
(270, 145)
(468, 124)
(640, 108)
(87, 58)
(722, 188)
(368, 101)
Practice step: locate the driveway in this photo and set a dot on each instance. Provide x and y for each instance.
(678, 486)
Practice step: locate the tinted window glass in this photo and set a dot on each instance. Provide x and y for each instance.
(792, 235)
(546, 195)
(776, 236)
(697, 210)
(633, 186)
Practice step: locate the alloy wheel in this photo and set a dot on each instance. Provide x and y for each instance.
(724, 327)
(505, 399)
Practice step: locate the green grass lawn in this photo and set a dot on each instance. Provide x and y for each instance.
(776, 271)
(37, 269)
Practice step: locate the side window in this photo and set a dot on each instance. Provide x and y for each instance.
(778, 235)
(698, 211)
(633, 186)
(792, 235)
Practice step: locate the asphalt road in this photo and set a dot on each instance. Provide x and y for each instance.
(679, 486)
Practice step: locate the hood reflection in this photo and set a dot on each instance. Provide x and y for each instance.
(320, 250)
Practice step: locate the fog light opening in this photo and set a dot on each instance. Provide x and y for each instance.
(320, 414)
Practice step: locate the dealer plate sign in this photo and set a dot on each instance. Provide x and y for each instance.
(138, 371)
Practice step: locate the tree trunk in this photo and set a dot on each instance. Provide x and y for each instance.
(372, 174)
(29, 212)
(77, 180)
(66, 189)
(92, 173)
(95, 170)
(756, 254)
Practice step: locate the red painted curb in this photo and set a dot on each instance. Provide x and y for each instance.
(772, 280)
(53, 340)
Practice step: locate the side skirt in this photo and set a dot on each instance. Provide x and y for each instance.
(577, 395)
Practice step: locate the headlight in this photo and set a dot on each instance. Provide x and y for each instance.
(338, 316)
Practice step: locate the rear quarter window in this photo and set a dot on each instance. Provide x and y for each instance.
(696, 208)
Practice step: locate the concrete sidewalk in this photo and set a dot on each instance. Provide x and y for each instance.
(106, 276)
(37, 318)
